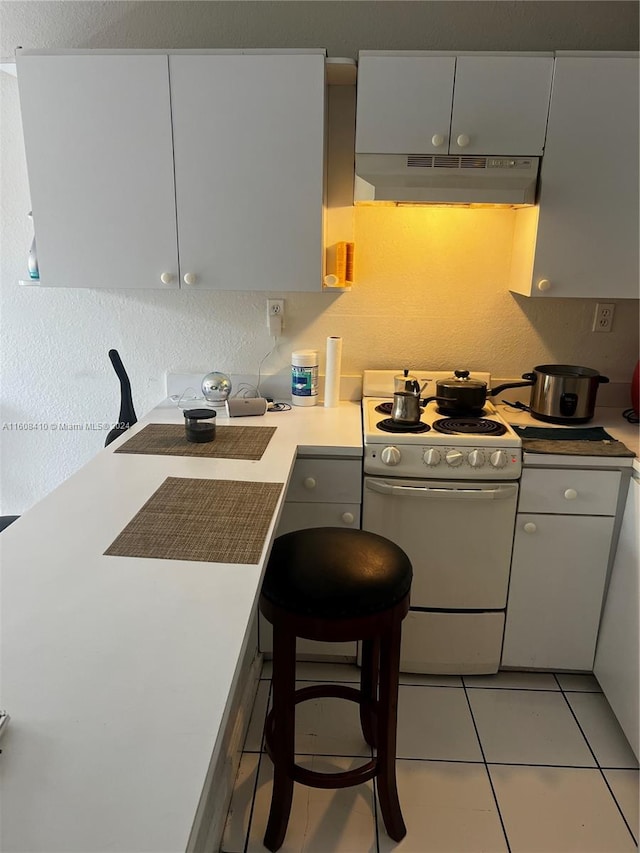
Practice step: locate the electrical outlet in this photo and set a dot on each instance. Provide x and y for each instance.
(275, 316)
(603, 317)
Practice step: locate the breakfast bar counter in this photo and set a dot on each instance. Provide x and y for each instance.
(118, 672)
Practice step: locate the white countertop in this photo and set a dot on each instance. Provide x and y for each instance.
(607, 417)
(117, 671)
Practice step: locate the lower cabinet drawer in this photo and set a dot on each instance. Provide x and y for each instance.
(451, 643)
(320, 480)
(569, 492)
(297, 516)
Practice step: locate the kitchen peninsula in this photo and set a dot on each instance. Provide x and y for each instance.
(121, 675)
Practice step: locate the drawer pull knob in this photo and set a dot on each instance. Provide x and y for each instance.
(530, 527)
(309, 483)
(437, 140)
(571, 494)
(348, 517)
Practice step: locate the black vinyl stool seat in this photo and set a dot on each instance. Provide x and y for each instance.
(336, 585)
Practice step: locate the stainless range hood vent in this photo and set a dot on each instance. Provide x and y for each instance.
(446, 179)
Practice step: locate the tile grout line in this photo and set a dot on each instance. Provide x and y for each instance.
(486, 767)
(599, 768)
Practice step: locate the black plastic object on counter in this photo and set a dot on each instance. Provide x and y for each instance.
(200, 425)
(127, 417)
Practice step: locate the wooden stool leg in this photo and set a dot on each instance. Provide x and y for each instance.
(283, 742)
(369, 689)
(387, 728)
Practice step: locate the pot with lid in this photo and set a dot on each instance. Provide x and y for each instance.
(563, 393)
(462, 395)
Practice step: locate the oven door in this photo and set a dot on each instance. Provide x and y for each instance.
(458, 536)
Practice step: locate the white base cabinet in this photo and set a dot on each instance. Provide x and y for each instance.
(321, 493)
(202, 170)
(561, 550)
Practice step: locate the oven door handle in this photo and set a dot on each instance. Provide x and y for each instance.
(444, 493)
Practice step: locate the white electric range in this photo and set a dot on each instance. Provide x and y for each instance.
(461, 448)
(448, 499)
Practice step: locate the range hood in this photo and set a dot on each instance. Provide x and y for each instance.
(446, 179)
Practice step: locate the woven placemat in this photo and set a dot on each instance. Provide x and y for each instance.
(231, 442)
(216, 521)
(576, 448)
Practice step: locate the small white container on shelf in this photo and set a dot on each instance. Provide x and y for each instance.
(304, 377)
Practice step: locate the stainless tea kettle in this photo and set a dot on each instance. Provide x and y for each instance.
(404, 381)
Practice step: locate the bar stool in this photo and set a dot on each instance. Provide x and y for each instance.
(336, 585)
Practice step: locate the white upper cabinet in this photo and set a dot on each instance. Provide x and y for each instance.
(97, 132)
(188, 169)
(422, 103)
(249, 135)
(582, 241)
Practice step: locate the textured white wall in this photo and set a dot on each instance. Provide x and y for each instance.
(431, 284)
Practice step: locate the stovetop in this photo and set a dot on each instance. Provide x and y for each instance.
(470, 448)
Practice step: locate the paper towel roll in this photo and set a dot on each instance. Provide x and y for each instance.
(332, 372)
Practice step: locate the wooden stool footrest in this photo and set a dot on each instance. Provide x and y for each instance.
(342, 779)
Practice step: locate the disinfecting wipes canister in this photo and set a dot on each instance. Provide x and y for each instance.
(304, 377)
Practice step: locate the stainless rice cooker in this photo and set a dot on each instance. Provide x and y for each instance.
(563, 393)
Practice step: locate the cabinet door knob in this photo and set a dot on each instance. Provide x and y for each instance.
(348, 517)
(571, 494)
(309, 483)
(530, 527)
(463, 140)
(166, 278)
(437, 140)
(190, 278)
(544, 284)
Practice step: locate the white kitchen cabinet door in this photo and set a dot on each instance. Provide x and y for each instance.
(429, 104)
(501, 104)
(587, 221)
(617, 657)
(402, 103)
(99, 154)
(249, 137)
(297, 516)
(558, 573)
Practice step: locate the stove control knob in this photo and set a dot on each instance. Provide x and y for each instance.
(431, 457)
(390, 456)
(476, 458)
(454, 458)
(498, 459)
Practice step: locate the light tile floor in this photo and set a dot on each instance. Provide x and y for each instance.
(520, 762)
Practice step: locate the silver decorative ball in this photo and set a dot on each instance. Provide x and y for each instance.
(216, 387)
